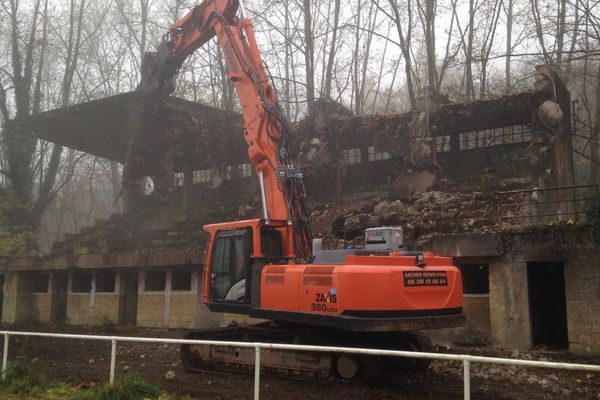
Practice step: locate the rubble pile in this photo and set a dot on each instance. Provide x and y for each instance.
(424, 214)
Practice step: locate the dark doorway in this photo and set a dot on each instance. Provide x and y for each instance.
(130, 292)
(60, 285)
(547, 304)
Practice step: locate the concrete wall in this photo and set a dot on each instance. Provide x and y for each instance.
(94, 308)
(501, 317)
(476, 329)
(78, 308)
(171, 308)
(509, 303)
(42, 307)
(151, 310)
(17, 304)
(182, 310)
(582, 281)
(168, 308)
(508, 255)
(106, 309)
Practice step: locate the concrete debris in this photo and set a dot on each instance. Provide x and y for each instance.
(421, 215)
(550, 114)
(170, 375)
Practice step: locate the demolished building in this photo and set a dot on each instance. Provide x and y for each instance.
(465, 180)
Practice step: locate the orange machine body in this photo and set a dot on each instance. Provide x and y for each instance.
(363, 288)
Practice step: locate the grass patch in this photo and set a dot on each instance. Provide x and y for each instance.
(25, 380)
(24, 376)
(129, 387)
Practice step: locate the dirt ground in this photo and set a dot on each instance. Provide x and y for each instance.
(88, 361)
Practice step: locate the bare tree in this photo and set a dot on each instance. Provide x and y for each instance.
(509, 32)
(405, 44)
(427, 15)
(489, 33)
(469, 86)
(332, 51)
(309, 60)
(19, 147)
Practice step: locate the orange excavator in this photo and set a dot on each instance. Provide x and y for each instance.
(267, 268)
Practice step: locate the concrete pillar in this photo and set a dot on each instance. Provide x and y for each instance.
(92, 306)
(17, 298)
(9, 306)
(509, 303)
(167, 311)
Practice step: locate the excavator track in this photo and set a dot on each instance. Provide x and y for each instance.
(301, 364)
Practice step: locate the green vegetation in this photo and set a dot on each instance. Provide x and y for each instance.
(592, 209)
(128, 388)
(23, 375)
(25, 380)
(15, 237)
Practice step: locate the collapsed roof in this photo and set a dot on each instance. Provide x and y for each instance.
(106, 127)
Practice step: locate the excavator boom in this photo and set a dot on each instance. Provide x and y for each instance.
(265, 127)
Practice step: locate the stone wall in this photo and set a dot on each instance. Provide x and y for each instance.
(182, 310)
(151, 310)
(17, 305)
(582, 280)
(106, 309)
(509, 310)
(78, 308)
(42, 307)
(172, 308)
(476, 329)
(507, 256)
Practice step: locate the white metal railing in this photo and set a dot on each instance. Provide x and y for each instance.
(464, 358)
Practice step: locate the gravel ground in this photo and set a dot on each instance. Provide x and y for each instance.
(88, 361)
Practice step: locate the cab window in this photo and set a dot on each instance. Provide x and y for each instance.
(231, 261)
(271, 243)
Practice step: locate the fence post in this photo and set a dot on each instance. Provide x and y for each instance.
(113, 360)
(5, 356)
(257, 372)
(467, 378)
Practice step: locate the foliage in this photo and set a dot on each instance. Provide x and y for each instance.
(129, 387)
(25, 380)
(24, 376)
(592, 209)
(15, 238)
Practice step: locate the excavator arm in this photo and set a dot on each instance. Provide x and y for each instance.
(265, 126)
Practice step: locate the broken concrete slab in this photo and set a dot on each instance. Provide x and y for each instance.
(100, 127)
(105, 128)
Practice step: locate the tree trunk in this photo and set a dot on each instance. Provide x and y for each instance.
(365, 59)
(287, 61)
(355, 105)
(595, 136)
(116, 186)
(332, 50)
(507, 70)
(469, 86)
(144, 23)
(309, 57)
(560, 31)
(405, 43)
(430, 10)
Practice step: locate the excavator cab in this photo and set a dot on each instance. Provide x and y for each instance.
(234, 259)
(231, 264)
